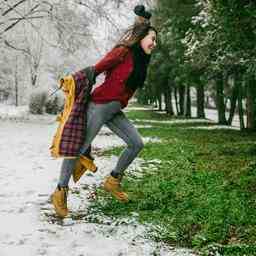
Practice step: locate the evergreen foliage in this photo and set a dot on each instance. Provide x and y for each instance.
(209, 46)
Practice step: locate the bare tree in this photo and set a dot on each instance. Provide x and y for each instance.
(48, 36)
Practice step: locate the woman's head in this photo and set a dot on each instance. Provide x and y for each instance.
(141, 39)
(142, 34)
(148, 43)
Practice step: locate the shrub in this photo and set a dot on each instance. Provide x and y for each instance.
(37, 102)
(53, 105)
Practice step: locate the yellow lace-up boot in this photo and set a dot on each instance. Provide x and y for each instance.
(80, 168)
(59, 201)
(88, 163)
(78, 171)
(113, 185)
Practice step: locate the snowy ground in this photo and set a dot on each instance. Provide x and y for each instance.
(211, 116)
(28, 226)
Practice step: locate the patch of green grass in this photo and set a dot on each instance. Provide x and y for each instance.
(147, 114)
(201, 193)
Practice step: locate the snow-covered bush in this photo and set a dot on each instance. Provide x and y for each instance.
(54, 105)
(37, 102)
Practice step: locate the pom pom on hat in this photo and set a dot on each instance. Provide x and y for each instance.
(140, 11)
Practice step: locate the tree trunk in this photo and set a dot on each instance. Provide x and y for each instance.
(220, 100)
(159, 99)
(168, 101)
(34, 80)
(181, 99)
(233, 101)
(240, 105)
(176, 101)
(16, 84)
(200, 101)
(187, 102)
(251, 104)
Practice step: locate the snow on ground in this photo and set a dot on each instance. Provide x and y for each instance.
(11, 112)
(174, 121)
(28, 175)
(215, 127)
(210, 114)
(22, 113)
(139, 108)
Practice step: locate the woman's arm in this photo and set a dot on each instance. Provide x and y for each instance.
(111, 59)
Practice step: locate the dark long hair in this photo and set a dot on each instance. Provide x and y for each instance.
(131, 39)
(135, 34)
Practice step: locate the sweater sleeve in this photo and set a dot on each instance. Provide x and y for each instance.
(111, 59)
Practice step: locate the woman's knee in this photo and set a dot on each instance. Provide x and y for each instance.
(138, 145)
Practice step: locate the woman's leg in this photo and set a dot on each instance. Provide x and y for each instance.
(123, 127)
(59, 196)
(97, 115)
(66, 171)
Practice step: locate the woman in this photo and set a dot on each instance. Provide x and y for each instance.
(125, 68)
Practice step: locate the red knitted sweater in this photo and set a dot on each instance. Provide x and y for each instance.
(117, 64)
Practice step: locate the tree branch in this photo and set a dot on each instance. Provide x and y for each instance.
(11, 26)
(12, 7)
(29, 18)
(15, 48)
(23, 17)
(100, 13)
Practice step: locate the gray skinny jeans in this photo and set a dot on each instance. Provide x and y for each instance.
(111, 115)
